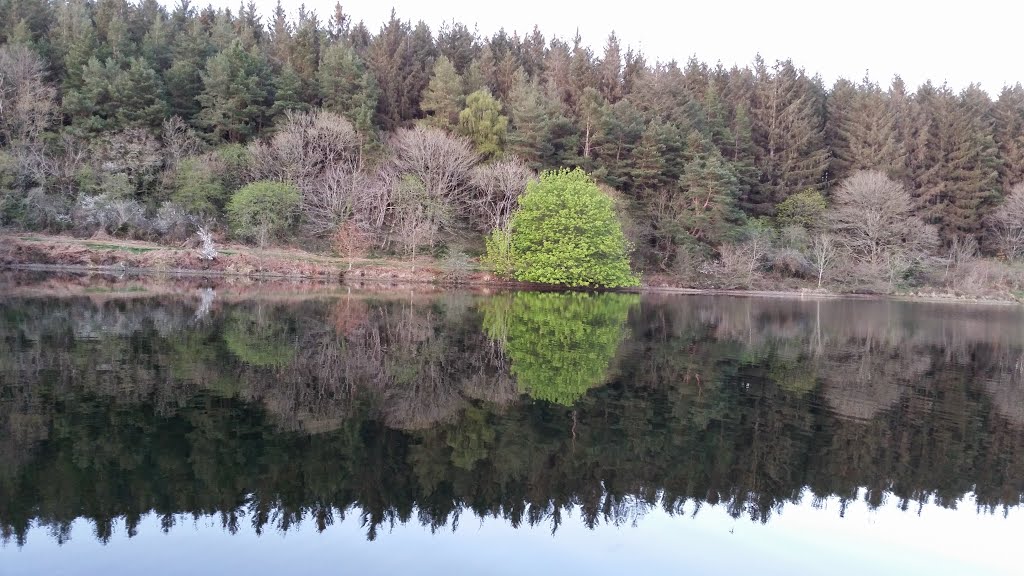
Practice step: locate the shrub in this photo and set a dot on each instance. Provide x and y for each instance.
(197, 189)
(499, 252)
(804, 209)
(110, 213)
(262, 210)
(565, 233)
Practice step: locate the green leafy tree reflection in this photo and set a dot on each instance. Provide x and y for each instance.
(259, 341)
(560, 344)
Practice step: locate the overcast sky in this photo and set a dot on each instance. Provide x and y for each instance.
(959, 43)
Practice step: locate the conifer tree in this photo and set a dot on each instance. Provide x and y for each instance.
(443, 99)
(1008, 132)
(236, 96)
(137, 96)
(706, 204)
(787, 131)
(288, 92)
(347, 87)
(529, 137)
(610, 71)
(956, 176)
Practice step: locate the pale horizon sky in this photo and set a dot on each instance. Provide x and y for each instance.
(956, 43)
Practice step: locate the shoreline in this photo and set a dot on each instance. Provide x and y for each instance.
(121, 258)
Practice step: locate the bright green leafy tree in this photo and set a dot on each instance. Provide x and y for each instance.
(565, 233)
(560, 344)
(262, 210)
(482, 122)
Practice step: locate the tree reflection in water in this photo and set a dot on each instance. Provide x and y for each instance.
(521, 406)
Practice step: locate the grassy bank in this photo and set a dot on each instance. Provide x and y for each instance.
(55, 253)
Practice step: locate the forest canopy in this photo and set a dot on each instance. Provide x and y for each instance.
(132, 118)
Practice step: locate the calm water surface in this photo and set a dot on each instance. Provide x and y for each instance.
(208, 432)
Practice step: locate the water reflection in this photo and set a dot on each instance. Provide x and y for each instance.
(427, 408)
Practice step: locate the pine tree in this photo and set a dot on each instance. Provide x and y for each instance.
(75, 39)
(443, 99)
(956, 178)
(1008, 125)
(456, 43)
(288, 93)
(839, 110)
(619, 132)
(648, 160)
(157, 43)
(183, 80)
(137, 97)
(235, 95)
(347, 87)
(610, 71)
(90, 107)
(863, 131)
(529, 137)
(706, 204)
(304, 56)
(787, 122)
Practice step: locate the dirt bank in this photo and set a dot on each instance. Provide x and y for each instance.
(54, 253)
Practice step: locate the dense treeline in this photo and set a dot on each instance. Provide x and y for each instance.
(133, 118)
(412, 409)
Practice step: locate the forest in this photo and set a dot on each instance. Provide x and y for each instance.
(320, 130)
(431, 408)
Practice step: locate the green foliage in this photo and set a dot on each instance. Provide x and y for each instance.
(197, 189)
(706, 206)
(443, 99)
(805, 209)
(482, 122)
(258, 342)
(566, 233)
(347, 87)
(236, 93)
(233, 164)
(499, 257)
(262, 210)
(560, 344)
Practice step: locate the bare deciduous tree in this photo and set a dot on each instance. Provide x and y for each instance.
(27, 102)
(824, 253)
(307, 146)
(337, 197)
(441, 161)
(1006, 224)
(875, 220)
(179, 141)
(496, 190)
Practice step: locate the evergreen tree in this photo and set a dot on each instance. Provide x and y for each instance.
(1008, 132)
(443, 99)
(235, 96)
(621, 127)
(529, 137)
(137, 97)
(956, 178)
(304, 56)
(706, 204)
(75, 40)
(610, 71)
(183, 80)
(456, 43)
(787, 126)
(288, 92)
(347, 87)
